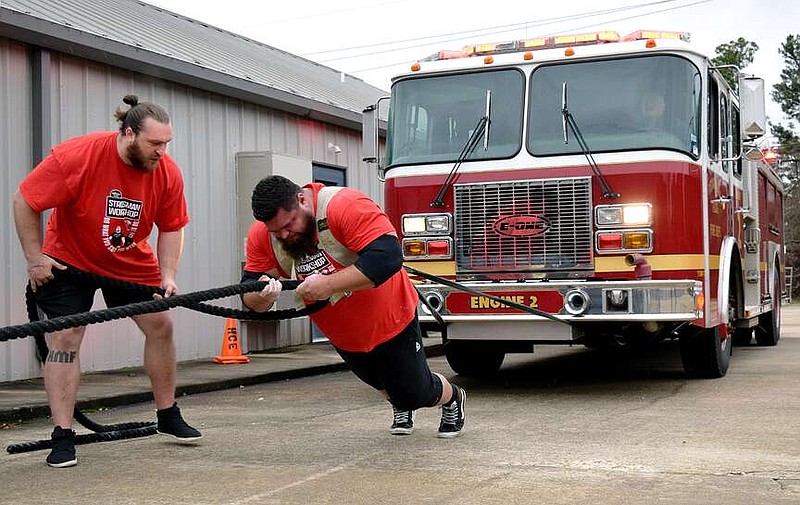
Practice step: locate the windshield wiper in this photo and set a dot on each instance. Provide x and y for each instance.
(569, 120)
(481, 129)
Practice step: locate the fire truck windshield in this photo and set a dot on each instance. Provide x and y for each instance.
(622, 104)
(432, 118)
(626, 104)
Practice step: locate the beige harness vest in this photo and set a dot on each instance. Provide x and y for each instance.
(327, 243)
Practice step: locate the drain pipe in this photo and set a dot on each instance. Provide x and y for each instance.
(641, 268)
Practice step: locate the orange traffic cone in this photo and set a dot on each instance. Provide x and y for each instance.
(231, 350)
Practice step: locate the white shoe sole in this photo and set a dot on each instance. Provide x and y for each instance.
(180, 440)
(65, 464)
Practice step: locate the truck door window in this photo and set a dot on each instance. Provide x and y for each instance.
(736, 134)
(713, 118)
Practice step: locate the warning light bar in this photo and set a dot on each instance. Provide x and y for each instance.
(601, 37)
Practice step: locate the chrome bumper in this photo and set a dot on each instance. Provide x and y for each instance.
(471, 316)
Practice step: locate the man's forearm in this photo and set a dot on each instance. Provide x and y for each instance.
(29, 228)
(170, 248)
(349, 279)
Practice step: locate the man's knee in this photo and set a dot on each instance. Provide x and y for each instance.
(66, 339)
(412, 400)
(156, 326)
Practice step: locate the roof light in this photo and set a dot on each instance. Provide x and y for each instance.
(416, 67)
(536, 43)
(654, 34)
(601, 37)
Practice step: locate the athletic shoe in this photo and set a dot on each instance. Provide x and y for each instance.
(170, 422)
(62, 454)
(403, 422)
(453, 415)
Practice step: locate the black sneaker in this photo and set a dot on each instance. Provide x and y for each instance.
(170, 422)
(62, 454)
(453, 415)
(403, 423)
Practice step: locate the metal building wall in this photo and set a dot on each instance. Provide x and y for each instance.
(17, 357)
(208, 130)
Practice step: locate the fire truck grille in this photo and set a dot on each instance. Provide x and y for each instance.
(524, 226)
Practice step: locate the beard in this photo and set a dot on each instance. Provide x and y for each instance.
(302, 244)
(139, 161)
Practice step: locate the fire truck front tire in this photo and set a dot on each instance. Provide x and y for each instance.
(705, 354)
(474, 358)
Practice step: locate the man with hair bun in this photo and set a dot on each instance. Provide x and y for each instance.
(104, 186)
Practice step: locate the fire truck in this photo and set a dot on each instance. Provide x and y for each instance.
(614, 186)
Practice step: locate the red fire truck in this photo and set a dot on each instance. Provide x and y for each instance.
(613, 184)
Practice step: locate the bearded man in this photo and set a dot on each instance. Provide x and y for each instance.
(343, 248)
(102, 187)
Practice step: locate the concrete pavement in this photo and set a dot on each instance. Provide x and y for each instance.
(26, 399)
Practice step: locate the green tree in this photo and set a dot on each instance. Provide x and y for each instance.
(787, 94)
(737, 52)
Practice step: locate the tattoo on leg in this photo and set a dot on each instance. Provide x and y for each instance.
(61, 356)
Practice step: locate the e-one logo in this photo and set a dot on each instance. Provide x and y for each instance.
(521, 225)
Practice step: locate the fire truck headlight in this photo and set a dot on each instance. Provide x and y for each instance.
(636, 215)
(609, 215)
(426, 224)
(633, 214)
(413, 225)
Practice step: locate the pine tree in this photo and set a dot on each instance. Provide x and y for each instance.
(737, 52)
(787, 94)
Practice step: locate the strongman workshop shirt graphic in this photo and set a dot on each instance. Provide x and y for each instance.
(120, 222)
(317, 263)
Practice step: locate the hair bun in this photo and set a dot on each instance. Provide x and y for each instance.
(131, 100)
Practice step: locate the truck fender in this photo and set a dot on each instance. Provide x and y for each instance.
(726, 262)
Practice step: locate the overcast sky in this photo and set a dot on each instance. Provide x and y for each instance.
(375, 39)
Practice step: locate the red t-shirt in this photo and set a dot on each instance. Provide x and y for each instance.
(104, 209)
(366, 318)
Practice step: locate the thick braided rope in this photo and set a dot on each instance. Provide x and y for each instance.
(189, 300)
(88, 438)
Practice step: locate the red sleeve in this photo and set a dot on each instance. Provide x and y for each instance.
(260, 257)
(173, 213)
(48, 185)
(356, 220)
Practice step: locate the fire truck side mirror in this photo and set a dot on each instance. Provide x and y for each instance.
(369, 134)
(751, 98)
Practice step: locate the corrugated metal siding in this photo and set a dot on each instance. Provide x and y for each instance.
(17, 357)
(208, 130)
(151, 28)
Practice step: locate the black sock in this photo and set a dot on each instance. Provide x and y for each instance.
(453, 398)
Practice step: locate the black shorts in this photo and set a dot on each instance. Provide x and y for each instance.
(66, 295)
(399, 367)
